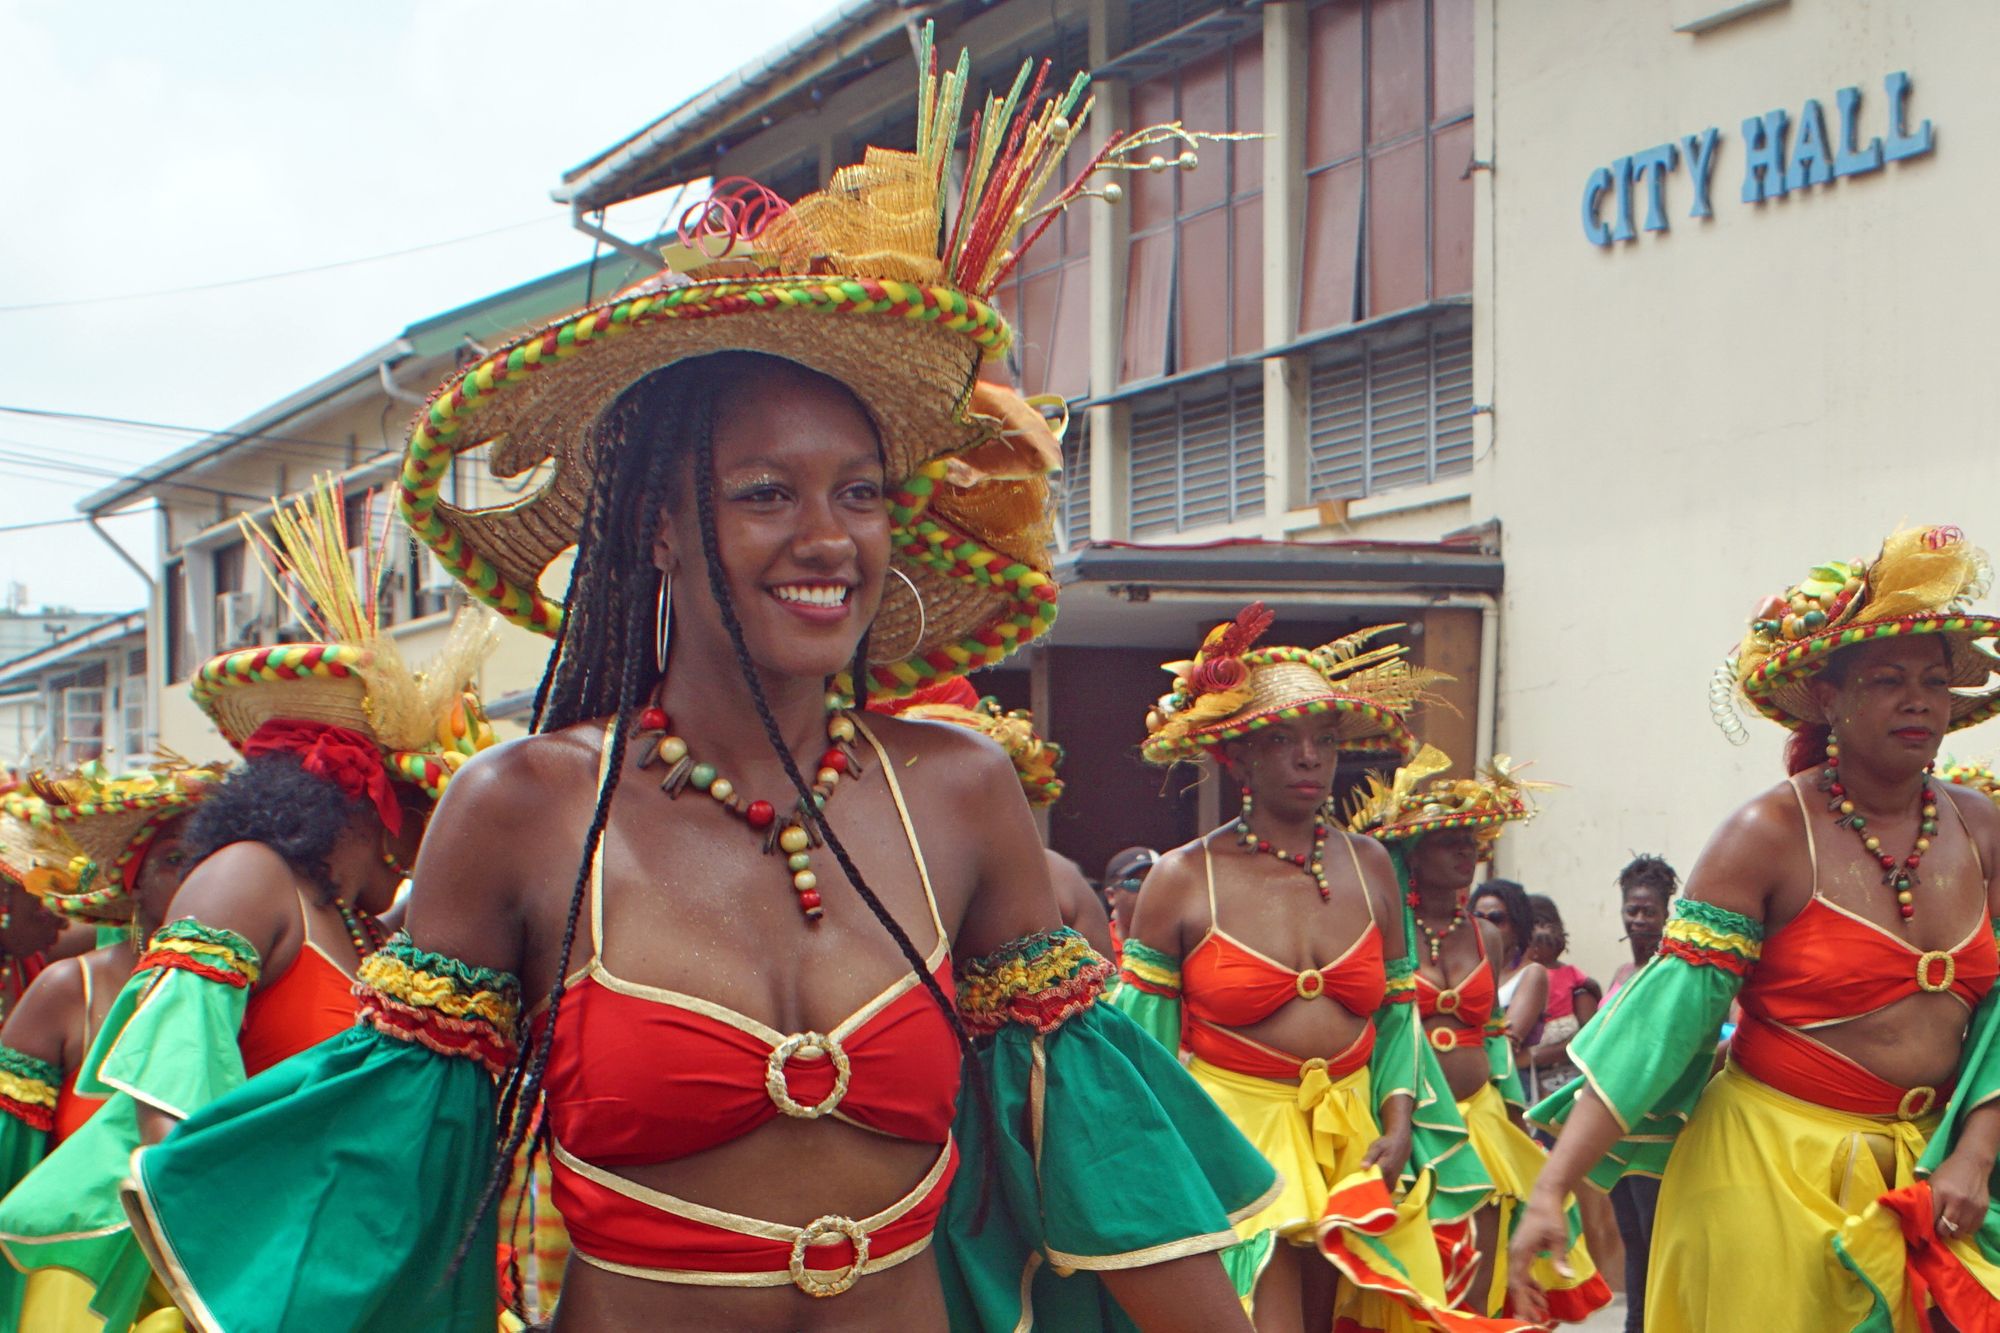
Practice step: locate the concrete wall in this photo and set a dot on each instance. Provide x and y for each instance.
(1687, 421)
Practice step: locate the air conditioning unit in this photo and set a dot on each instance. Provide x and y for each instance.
(236, 622)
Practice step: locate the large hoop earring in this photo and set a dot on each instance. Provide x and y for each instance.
(664, 625)
(923, 619)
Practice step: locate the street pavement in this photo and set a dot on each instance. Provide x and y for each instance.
(1611, 1319)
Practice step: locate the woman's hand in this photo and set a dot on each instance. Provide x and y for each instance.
(1959, 1194)
(1540, 1229)
(1391, 1152)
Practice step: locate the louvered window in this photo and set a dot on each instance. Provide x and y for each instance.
(1390, 415)
(1197, 457)
(1074, 505)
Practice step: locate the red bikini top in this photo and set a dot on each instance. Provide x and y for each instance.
(1469, 1004)
(1226, 983)
(641, 1074)
(1828, 965)
(312, 1001)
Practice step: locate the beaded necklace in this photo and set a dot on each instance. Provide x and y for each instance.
(1900, 876)
(363, 930)
(1436, 939)
(1313, 862)
(796, 837)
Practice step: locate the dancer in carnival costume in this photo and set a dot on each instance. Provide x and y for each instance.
(735, 903)
(289, 857)
(1849, 910)
(1438, 831)
(103, 850)
(1318, 1062)
(31, 937)
(1035, 763)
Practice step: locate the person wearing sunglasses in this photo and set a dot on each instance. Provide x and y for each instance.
(1123, 874)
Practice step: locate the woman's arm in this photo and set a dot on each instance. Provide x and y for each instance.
(1531, 998)
(1082, 910)
(47, 1013)
(1960, 1186)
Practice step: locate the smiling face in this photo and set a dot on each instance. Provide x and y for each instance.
(1888, 701)
(1288, 766)
(802, 527)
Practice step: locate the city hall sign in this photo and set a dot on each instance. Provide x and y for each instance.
(1780, 155)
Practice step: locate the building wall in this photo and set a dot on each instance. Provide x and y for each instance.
(1687, 421)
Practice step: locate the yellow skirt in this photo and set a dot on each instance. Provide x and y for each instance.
(58, 1301)
(1760, 1190)
(1315, 1133)
(1513, 1161)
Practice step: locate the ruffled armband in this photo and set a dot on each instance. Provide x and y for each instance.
(1151, 993)
(1100, 1153)
(170, 1040)
(377, 1144)
(1648, 1052)
(27, 1093)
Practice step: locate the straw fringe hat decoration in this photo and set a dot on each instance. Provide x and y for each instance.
(17, 854)
(1978, 777)
(427, 722)
(877, 281)
(1924, 581)
(1035, 759)
(91, 831)
(1231, 688)
(1416, 801)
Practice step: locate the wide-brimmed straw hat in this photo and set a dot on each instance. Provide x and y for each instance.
(1416, 801)
(16, 849)
(882, 281)
(1923, 582)
(425, 721)
(1232, 688)
(109, 821)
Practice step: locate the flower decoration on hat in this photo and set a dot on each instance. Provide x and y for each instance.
(1417, 801)
(883, 281)
(1231, 687)
(1924, 581)
(1035, 759)
(92, 830)
(348, 693)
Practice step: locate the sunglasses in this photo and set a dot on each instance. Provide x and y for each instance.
(1494, 918)
(1128, 885)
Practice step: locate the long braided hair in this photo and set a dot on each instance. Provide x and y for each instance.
(657, 434)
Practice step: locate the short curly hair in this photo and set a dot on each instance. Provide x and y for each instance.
(1645, 871)
(273, 800)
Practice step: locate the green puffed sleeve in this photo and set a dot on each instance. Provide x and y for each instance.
(1648, 1052)
(1102, 1152)
(170, 1042)
(1151, 993)
(352, 1170)
(28, 1090)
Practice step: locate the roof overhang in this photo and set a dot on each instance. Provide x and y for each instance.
(107, 631)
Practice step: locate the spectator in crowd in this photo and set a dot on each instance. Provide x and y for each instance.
(1573, 998)
(1524, 983)
(1123, 874)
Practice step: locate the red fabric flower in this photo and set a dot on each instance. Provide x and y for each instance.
(347, 759)
(1221, 673)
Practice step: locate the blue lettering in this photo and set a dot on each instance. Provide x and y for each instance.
(1901, 143)
(1657, 162)
(1622, 169)
(1812, 164)
(1764, 157)
(1594, 191)
(1846, 160)
(1701, 167)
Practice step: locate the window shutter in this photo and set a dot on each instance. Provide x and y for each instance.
(1454, 403)
(1248, 414)
(1075, 508)
(1337, 431)
(1155, 468)
(1205, 460)
(1399, 417)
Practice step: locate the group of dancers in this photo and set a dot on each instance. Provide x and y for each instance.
(750, 992)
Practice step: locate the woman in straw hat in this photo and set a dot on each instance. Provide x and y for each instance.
(289, 857)
(1849, 911)
(1035, 763)
(31, 937)
(1438, 831)
(103, 850)
(734, 903)
(1226, 959)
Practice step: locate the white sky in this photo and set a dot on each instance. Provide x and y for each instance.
(158, 146)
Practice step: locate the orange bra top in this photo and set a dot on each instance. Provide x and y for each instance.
(643, 1074)
(72, 1110)
(1827, 965)
(1470, 1003)
(312, 1001)
(1226, 983)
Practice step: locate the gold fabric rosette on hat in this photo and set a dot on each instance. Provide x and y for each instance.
(1924, 581)
(353, 682)
(883, 281)
(1416, 801)
(92, 829)
(1231, 688)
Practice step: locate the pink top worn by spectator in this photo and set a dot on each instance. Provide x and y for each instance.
(1563, 983)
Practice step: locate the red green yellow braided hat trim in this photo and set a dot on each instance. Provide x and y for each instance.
(95, 828)
(1417, 801)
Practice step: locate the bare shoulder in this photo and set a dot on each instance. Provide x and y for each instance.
(1491, 943)
(1750, 854)
(1982, 817)
(48, 1009)
(1173, 900)
(942, 756)
(515, 777)
(245, 887)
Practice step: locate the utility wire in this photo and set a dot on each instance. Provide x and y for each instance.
(110, 298)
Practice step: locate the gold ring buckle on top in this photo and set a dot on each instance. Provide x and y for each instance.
(1316, 1065)
(1444, 1039)
(1925, 964)
(1925, 1098)
(1310, 984)
(1448, 1001)
(819, 1231)
(774, 1075)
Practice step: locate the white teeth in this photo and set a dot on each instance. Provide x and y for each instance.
(814, 595)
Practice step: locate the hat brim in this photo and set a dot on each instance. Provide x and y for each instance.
(1780, 686)
(1487, 824)
(909, 353)
(309, 682)
(1362, 728)
(116, 835)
